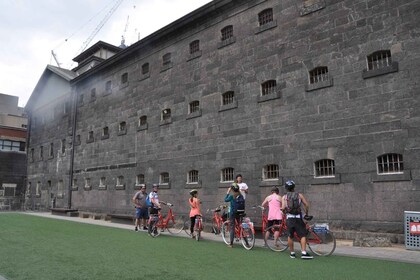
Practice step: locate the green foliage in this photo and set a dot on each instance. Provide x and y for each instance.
(42, 248)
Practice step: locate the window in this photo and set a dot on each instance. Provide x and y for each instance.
(124, 78)
(268, 87)
(265, 16)
(41, 152)
(194, 47)
(63, 146)
(105, 132)
(166, 59)
(227, 32)
(228, 98)
(390, 163)
(227, 175)
(145, 68)
(81, 97)
(192, 177)
(122, 127)
(29, 189)
(140, 179)
(38, 189)
(8, 145)
(74, 184)
(66, 108)
(31, 154)
(194, 106)
(166, 114)
(319, 74)
(87, 183)
(164, 178)
(325, 168)
(51, 150)
(120, 181)
(102, 183)
(10, 189)
(142, 120)
(90, 137)
(108, 87)
(60, 189)
(93, 94)
(378, 60)
(270, 172)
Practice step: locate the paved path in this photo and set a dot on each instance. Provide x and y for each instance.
(344, 248)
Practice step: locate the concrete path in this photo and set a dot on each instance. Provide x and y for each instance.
(396, 253)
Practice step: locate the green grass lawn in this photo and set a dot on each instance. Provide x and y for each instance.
(41, 248)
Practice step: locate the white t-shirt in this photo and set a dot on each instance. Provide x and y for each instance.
(242, 187)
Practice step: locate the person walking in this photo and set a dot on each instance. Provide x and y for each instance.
(292, 204)
(142, 211)
(195, 211)
(275, 214)
(243, 187)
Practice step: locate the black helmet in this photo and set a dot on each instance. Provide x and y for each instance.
(193, 192)
(235, 187)
(289, 185)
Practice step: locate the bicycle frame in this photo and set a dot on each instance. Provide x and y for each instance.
(217, 219)
(264, 217)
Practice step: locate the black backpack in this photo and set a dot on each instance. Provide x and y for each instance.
(239, 204)
(293, 203)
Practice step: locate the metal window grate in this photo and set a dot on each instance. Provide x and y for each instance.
(122, 126)
(227, 32)
(318, 74)
(379, 59)
(193, 176)
(227, 174)
(325, 168)
(194, 106)
(265, 16)
(120, 180)
(271, 171)
(140, 179)
(143, 120)
(102, 182)
(194, 46)
(390, 163)
(166, 114)
(268, 87)
(164, 178)
(228, 98)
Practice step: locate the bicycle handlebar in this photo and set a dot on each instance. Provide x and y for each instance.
(257, 206)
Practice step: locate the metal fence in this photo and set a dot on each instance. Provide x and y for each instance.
(412, 230)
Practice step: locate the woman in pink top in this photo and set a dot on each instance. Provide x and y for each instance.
(195, 209)
(275, 215)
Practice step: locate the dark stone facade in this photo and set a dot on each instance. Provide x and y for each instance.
(352, 118)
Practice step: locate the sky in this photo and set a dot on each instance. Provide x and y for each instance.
(31, 29)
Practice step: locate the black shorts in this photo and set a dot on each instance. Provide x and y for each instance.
(274, 222)
(154, 211)
(296, 225)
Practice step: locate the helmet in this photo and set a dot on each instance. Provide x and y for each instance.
(193, 192)
(235, 187)
(289, 185)
(155, 186)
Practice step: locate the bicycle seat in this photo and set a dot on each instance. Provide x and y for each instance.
(308, 218)
(217, 210)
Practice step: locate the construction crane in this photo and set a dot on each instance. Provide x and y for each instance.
(123, 35)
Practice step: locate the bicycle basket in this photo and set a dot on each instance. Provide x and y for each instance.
(320, 228)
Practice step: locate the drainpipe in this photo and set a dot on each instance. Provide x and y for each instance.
(73, 138)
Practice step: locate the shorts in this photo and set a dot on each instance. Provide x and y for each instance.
(142, 213)
(154, 211)
(296, 225)
(274, 222)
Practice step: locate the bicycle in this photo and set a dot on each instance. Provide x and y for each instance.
(198, 227)
(264, 217)
(320, 240)
(244, 231)
(171, 222)
(217, 219)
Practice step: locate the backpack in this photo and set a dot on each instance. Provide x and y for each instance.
(148, 201)
(239, 204)
(293, 203)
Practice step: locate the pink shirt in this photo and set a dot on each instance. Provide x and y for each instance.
(195, 207)
(274, 208)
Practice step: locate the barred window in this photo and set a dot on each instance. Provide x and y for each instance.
(228, 98)
(140, 179)
(124, 78)
(145, 68)
(390, 163)
(227, 32)
(87, 182)
(142, 120)
(120, 180)
(166, 114)
(122, 126)
(325, 168)
(268, 87)
(8, 145)
(108, 87)
(90, 136)
(318, 74)
(166, 59)
(51, 152)
(271, 171)
(38, 189)
(265, 16)
(193, 176)
(194, 46)
(102, 182)
(105, 131)
(379, 59)
(227, 174)
(194, 106)
(164, 178)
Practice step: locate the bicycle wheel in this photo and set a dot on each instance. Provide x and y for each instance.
(153, 229)
(225, 231)
(321, 243)
(175, 225)
(198, 231)
(215, 227)
(277, 245)
(187, 225)
(247, 238)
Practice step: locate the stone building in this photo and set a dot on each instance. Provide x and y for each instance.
(12, 153)
(321, 92)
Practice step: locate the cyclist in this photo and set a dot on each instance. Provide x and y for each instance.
(275, 214)
(195, 209)
(154, 198)
(237, 207)
(292, 203)
(139, 200)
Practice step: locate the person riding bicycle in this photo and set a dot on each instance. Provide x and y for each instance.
(292, 203)
(236, 209)
(275, 215)
(154, 198)
(195, 209)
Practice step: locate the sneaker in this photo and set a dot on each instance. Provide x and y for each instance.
(293, 255)
(306, 256)
(230, 246)
(136, 229)
(144, 228)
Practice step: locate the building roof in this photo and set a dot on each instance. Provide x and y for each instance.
(93, 49)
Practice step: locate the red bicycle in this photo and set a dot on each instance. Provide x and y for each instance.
(218, 219)
(198, 227)
(320, 239)
(244, 231)
(174, 224)
(264, 217)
